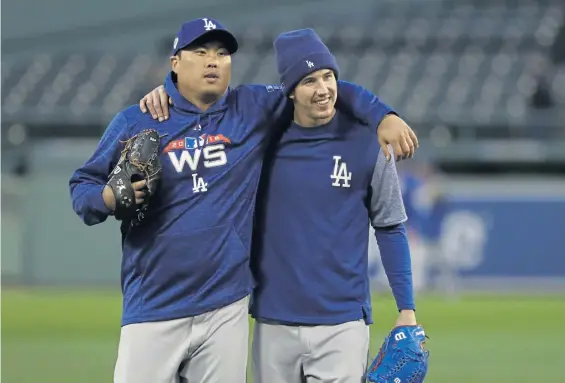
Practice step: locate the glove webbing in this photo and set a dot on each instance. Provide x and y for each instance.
(134, 159)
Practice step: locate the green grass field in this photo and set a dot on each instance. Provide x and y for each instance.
(71, 337)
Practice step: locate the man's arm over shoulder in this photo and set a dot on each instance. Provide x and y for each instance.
(267, 100)
(352, 98)
(269, 105)
(87, 182)
(362, 103)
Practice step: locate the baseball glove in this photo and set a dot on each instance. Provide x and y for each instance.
(402, 357)
(138, 161)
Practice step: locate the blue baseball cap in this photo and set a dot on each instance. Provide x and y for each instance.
(207, 28)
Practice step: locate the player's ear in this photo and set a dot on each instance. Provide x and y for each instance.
(175, 60)
(291, 95)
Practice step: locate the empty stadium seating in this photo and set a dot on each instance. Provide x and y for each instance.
(479, 64)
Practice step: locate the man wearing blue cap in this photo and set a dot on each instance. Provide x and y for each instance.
(324, 182)
(185, 267)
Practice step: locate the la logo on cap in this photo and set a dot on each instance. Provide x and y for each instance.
(209, 25)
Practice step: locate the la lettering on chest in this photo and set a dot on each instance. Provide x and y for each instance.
(211, 156)
(192, 154)
(315, 173)
(341, 176)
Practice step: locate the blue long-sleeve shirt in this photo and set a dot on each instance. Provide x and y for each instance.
(191, 252)
(321, 189)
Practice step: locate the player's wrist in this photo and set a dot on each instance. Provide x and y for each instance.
(109, 199)
(406, 318)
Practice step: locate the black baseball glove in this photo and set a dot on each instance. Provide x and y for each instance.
(138, 161)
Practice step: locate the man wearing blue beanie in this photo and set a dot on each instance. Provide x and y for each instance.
(300, 53)
(324, 181)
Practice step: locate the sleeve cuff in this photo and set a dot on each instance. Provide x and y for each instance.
(98, 201)
(380, 113)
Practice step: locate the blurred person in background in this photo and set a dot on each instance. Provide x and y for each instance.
(425, 207)
(185, 270)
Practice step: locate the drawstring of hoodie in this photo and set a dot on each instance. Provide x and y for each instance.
(197, 121)
(208, 120)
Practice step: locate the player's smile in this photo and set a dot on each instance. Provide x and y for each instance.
(323, 102)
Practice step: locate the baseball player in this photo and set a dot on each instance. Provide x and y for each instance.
(323, 182)
(185, 265)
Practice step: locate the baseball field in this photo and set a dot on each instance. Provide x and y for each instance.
(71, 337)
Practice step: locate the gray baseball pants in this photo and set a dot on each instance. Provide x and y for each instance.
(207, 348)
(310, 354)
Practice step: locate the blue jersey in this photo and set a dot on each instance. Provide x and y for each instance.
(191, 252)
(320, 191)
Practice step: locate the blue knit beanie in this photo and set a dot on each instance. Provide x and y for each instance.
(300, 53)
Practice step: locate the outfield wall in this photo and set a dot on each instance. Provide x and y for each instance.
(500, 234)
